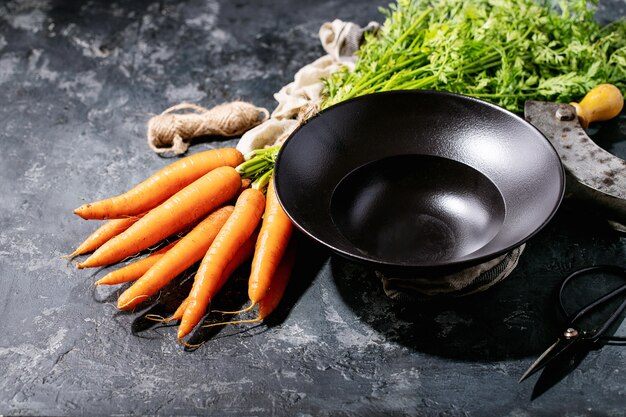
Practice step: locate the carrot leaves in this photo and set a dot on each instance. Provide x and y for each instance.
(258, 166)
(504, 51)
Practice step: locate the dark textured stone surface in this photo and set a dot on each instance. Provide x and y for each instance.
(78, 82)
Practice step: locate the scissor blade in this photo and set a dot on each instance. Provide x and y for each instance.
(552, 352)
(557, 369)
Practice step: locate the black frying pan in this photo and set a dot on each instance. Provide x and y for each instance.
(418, 180)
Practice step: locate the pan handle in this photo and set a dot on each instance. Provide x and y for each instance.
(602, 102)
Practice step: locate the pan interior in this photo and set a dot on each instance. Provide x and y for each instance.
(417, 209)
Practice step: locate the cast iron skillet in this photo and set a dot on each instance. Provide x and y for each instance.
(418, 181)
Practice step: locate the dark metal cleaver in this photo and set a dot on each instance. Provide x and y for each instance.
(594, 175)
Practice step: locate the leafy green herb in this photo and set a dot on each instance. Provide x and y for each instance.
(504, 51)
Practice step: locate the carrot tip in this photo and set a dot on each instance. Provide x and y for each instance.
(181, 334)
(130, 303)
(80, 211)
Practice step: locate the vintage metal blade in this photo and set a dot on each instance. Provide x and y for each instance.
(535, 366)
(548, 355)
(558, 368)
(594, 174)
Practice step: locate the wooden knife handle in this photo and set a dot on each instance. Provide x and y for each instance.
(602, 102)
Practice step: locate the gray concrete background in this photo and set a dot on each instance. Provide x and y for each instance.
(78, 83)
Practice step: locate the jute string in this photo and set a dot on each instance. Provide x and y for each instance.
(173, 130)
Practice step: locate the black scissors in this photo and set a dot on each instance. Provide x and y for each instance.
(575, 337)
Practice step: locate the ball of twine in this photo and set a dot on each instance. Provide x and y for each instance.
(173, 130)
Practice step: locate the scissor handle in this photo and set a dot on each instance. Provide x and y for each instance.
(612, 269)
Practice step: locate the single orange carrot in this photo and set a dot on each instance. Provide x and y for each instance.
(134, 270)
(182, 209)
(238, 228)
(280, 279)
(189, 250)
(271, 245)
(102, 234)
(242, 255)
(161, 185)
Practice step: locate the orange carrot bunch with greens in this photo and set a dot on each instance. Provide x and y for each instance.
(217, 209)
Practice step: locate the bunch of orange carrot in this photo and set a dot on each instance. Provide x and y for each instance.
(217, 218)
